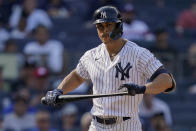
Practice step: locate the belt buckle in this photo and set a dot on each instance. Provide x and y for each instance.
(113, 120)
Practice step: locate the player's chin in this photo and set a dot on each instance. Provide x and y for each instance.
(106, 40)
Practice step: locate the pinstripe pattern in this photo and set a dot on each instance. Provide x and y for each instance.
(96, 65)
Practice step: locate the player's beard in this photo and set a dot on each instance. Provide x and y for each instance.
(105, 38)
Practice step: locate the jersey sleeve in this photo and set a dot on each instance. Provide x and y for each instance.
(148, 63)
(81, 68)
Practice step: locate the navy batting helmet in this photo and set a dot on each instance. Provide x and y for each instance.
(109, 14)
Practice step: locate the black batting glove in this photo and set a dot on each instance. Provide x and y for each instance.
(51, 96)
(133, 88)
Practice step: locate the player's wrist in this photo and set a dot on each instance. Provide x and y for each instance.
(141, 90)
(59, 91)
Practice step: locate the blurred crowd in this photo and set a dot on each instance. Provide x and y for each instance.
(42, 40)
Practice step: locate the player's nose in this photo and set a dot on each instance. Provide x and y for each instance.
(106, 30)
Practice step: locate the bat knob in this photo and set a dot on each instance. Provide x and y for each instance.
(43, 101)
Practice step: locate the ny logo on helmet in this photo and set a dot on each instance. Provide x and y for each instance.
(103, 15)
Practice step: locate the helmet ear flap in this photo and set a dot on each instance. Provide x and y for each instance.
(117, 32)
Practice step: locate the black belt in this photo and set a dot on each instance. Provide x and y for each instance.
(108, 121)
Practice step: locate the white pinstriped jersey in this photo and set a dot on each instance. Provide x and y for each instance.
(133, 64)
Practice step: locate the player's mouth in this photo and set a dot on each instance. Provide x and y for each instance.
(105, 36)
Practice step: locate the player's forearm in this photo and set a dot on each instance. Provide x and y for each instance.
(70, 82)
(159, 84)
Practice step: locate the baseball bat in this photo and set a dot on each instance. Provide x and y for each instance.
(70, 98)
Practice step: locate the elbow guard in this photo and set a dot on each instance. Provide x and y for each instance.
(173, 84)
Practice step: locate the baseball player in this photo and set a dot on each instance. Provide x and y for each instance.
(116, 65)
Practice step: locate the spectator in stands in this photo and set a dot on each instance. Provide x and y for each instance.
(192, 60)
(4, 96)
(134, 29)
(43, 121)
(162, 44)
(19, 119)
(6, 7)
(22, 93)
(191, 69)
(4, 34)
(58, 9)
(150, 106)
(189, 64)
(187, 19)
(41, 79)
(12, 48)
(163, 49)
(69, 118)
(26, 77)
(158, 122)
(20, 31)
(85, 121)
(45, 51)
(34, 16)
(42, 84)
